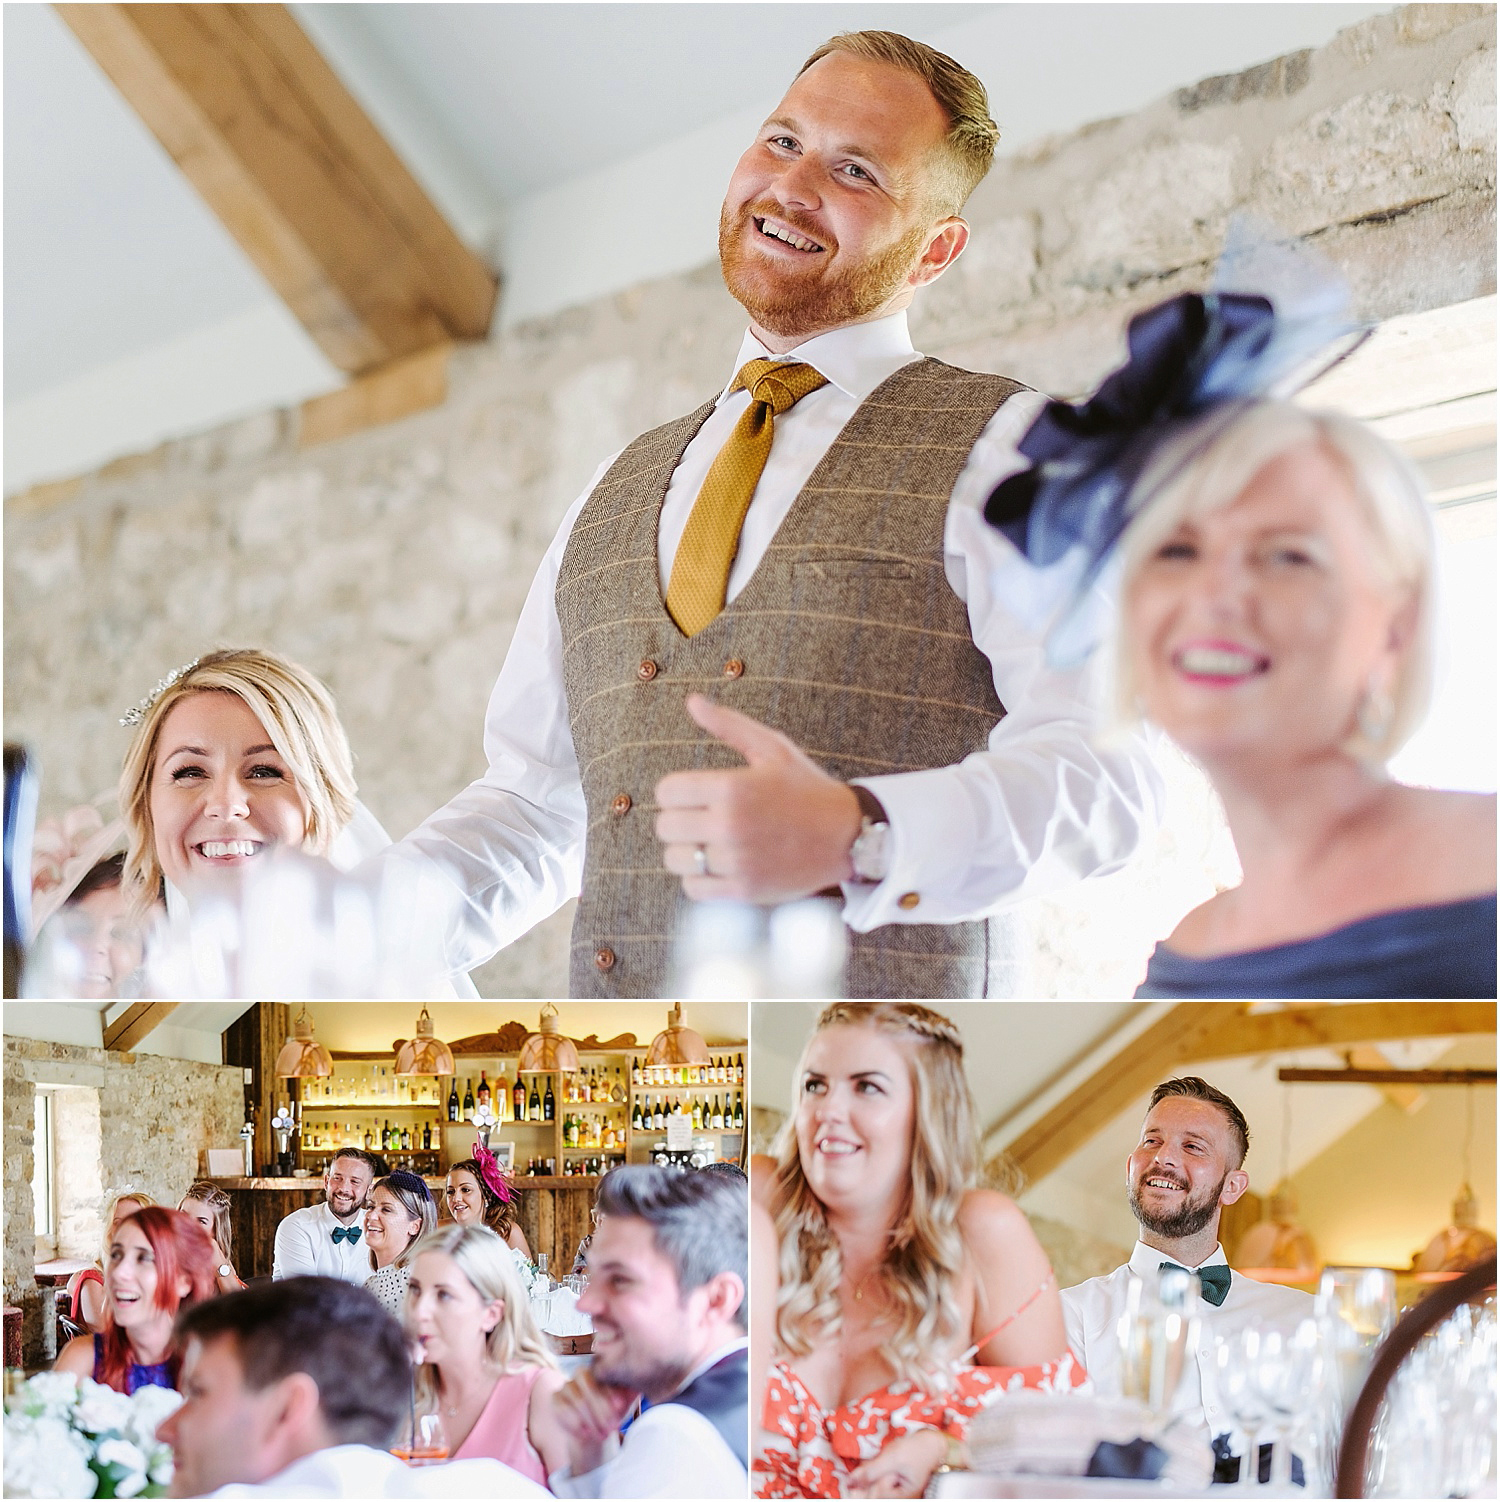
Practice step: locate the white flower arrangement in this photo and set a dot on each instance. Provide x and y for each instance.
(67, 1438)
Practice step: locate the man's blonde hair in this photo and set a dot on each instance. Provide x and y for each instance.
(969, 149)
(301, 721)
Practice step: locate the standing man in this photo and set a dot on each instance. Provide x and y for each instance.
(1185, 1170)
(324, 1239)
(763, 658)
(666, 1293)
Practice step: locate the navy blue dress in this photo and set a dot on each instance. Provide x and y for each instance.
(1428, 953)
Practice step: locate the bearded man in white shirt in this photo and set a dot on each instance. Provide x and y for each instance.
(324, 1240)
(666, 1295)
(800, 569)
(1186, 1169)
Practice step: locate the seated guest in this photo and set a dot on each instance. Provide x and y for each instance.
(666, 1295)
(581, 1256)
(324, 1239)
(400, 1211)
(296, 1389)
(480, 1193)
(485, 1367)
(238, 753)
(159, 1261)
(209, 1206)
(1186, 1169)
(1276, 581)
(909, 1297)
(86, 1287)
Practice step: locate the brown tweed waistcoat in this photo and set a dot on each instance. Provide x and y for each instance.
(847, 638)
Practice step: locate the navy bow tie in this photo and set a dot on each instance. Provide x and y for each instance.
(1214, 1280)
(345, 1233)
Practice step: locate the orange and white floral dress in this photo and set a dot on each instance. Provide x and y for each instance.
(810, 1451)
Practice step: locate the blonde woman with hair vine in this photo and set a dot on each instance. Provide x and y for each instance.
(484, 1366)
(908, 1294)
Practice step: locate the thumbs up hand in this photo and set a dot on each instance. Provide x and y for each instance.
(773, 830)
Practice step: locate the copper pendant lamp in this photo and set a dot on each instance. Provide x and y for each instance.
(424, 1054)
(302, 1057)
(547, 1051)
(676, 1044)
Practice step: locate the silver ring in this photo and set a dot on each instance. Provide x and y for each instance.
(700, 861)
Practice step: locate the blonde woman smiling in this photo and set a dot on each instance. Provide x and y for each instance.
(907, 1293)
(485, 1368)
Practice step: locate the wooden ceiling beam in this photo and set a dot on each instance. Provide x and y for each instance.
(135, 1023)
(1200, 1031)
(1092, 1105)
(263, 128)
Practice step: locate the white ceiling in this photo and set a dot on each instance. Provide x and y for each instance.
(581, 147)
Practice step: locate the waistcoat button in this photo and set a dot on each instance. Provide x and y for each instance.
(647, 670)
(621, 806)
(908, 900)
(734, 668)
(604, 959)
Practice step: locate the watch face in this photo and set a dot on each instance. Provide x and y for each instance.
(869, 855)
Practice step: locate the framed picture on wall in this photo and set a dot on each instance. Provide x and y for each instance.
(505, 1155)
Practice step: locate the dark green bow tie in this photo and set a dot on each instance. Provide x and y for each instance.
(351, 1233)
(1214, 1280)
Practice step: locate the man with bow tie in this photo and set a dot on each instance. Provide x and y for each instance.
(1186, 1169)
(325, 1240)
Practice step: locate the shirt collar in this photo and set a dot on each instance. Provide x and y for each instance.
(1147, 1259)
(856, 358)
(713, 1358)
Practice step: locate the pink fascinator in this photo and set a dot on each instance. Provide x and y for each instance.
(492, 1174)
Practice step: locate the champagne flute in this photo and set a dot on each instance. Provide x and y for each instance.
(1157, 1330)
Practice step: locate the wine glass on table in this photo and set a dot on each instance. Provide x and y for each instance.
(1289, 1373)
(1237, 1354)
(1157, 1331)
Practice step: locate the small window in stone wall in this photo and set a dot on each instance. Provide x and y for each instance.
(43, 1176)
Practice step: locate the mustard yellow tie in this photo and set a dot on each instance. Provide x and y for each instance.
(700, 571)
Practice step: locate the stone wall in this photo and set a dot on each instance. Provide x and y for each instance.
(394, 563)
(152, 1117)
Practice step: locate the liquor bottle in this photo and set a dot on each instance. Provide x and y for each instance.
(635, 1073)
(427, 1137)
(739, 1069)
(739, 1113)
(549, 1103)
(369, 1139)
(534, 1103)
(453, 1103)
(518, 1099)
(482, 1096)
(405, 1139)
(468, 1099)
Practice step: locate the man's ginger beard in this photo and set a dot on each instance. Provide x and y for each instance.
(792, 301)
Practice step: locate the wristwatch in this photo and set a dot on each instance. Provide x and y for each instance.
(224, 1270)
(870, 854)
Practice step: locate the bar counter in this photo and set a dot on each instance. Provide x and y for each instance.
(553, 1212)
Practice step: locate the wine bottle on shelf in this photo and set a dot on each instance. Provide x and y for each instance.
(549, 1103)
(697, 1114)
(635, 1117)
(518, 1098)
(635, 1073)
(534, 1103)
(468, 1098)
(405, 1139)
(482, 1095)
(739, 1113)
(453, 1102)
(716, 1117)
(427, 1137)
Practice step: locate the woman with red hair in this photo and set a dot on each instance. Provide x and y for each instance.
(159, 1260)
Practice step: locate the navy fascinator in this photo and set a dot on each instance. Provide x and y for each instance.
(1276, 318)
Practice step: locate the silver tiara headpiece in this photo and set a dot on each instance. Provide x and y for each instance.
(135, 715)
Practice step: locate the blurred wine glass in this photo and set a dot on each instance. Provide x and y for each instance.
(1356, 1310)
(1236, 1357)
(1157, 1330)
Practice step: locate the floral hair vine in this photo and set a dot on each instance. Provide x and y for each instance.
(490, 1172)
(135, 715)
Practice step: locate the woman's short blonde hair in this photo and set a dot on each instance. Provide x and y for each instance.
(926, 1260)
(490, 1266)
(112, 1202)
(299, 715)
(1394, 503)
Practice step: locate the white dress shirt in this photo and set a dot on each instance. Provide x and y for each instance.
(305, 1247)
(669, 1451)
(1040, 808)
(360, 1471)
(1092, 1313)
